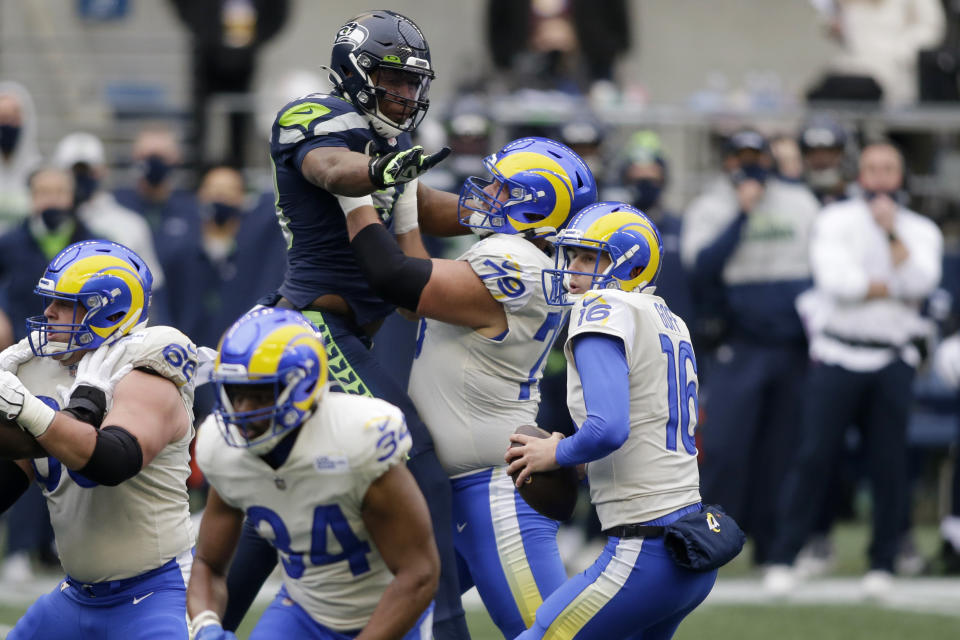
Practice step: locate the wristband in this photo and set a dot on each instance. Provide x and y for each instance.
(203, 619)
(35, 416)
(348, 204)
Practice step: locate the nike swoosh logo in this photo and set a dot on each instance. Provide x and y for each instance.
(142, 598)
(461, 526)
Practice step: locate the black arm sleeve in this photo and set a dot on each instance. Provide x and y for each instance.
(13, 482)
(117, 456)
(395, 277)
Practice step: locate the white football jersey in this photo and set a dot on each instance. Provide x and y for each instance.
(655, 471)
(310, 507)
(110, 533)
(472, 391)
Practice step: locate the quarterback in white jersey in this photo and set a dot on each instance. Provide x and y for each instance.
(321, 476)
(631, 362)
(482, 345)
(105, 405)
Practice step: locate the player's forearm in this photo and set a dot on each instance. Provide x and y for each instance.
(69, 440)
(402, 603)
(345, 173)
(438, 212)
(207, 590)
(412, 244)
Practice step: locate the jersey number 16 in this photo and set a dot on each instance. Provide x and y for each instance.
(680, 393)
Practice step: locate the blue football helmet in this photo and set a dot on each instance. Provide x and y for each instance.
(108, 286)
(376, 43)
(538, 186)
(622, 232)
(272, 354)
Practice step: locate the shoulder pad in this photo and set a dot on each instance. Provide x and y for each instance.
(374, 436)
(510, 268)
(164, 350)
(315, 115)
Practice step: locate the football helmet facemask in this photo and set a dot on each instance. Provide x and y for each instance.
(108, 286)
(381, 57)
(616, 229)
(270, 374)
(538, 185)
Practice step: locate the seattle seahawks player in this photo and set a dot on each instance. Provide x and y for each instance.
(329, 152)
(98, 410)
(322, 476)
(632, 390)
(480, 355)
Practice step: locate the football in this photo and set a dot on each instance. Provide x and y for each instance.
(550, 493)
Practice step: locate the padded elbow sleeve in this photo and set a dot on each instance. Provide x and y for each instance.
(13, 482)
(395, 277)
(116, 457)
(88, 404)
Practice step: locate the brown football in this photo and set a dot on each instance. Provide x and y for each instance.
(550, 493)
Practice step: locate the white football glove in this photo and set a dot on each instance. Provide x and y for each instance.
(206, 357)
(15, 355)
(96, 370)
(17, 403)
(946, 362)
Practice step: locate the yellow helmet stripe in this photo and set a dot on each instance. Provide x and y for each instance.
(555, 174)
(81, 271)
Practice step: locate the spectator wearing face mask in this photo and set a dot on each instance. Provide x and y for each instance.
(51, 226)
(83, 154)
(642, 179)
(823, 144)
(170, 211)
(216, 276)
(18, 152)
(746, 238)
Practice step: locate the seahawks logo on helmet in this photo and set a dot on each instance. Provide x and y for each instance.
(351, 33)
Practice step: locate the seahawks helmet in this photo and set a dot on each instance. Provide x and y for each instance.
(616, 229)
(377, 43)
(539, 184)
(108, 286)
(276, 355)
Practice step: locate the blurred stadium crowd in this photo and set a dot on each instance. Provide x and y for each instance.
(802, 404)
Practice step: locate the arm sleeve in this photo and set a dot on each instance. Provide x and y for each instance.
(604, 374)
(397, 278)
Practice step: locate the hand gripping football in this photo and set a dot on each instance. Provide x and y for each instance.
(551, 493)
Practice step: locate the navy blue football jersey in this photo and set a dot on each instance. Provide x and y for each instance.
(319, 258)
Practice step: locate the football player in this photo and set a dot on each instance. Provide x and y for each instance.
(99, 411)
(329, 150)
(633, 394)
(321, 475)
(480, 354)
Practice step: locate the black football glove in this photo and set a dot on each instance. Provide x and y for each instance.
(398, 167)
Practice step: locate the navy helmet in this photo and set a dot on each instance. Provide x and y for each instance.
(367, 49)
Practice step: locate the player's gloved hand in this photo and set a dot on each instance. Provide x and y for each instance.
(398, 167)
(214, 632)
(206, 357)
(15, 355)
(17, 403)
(96, 370)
